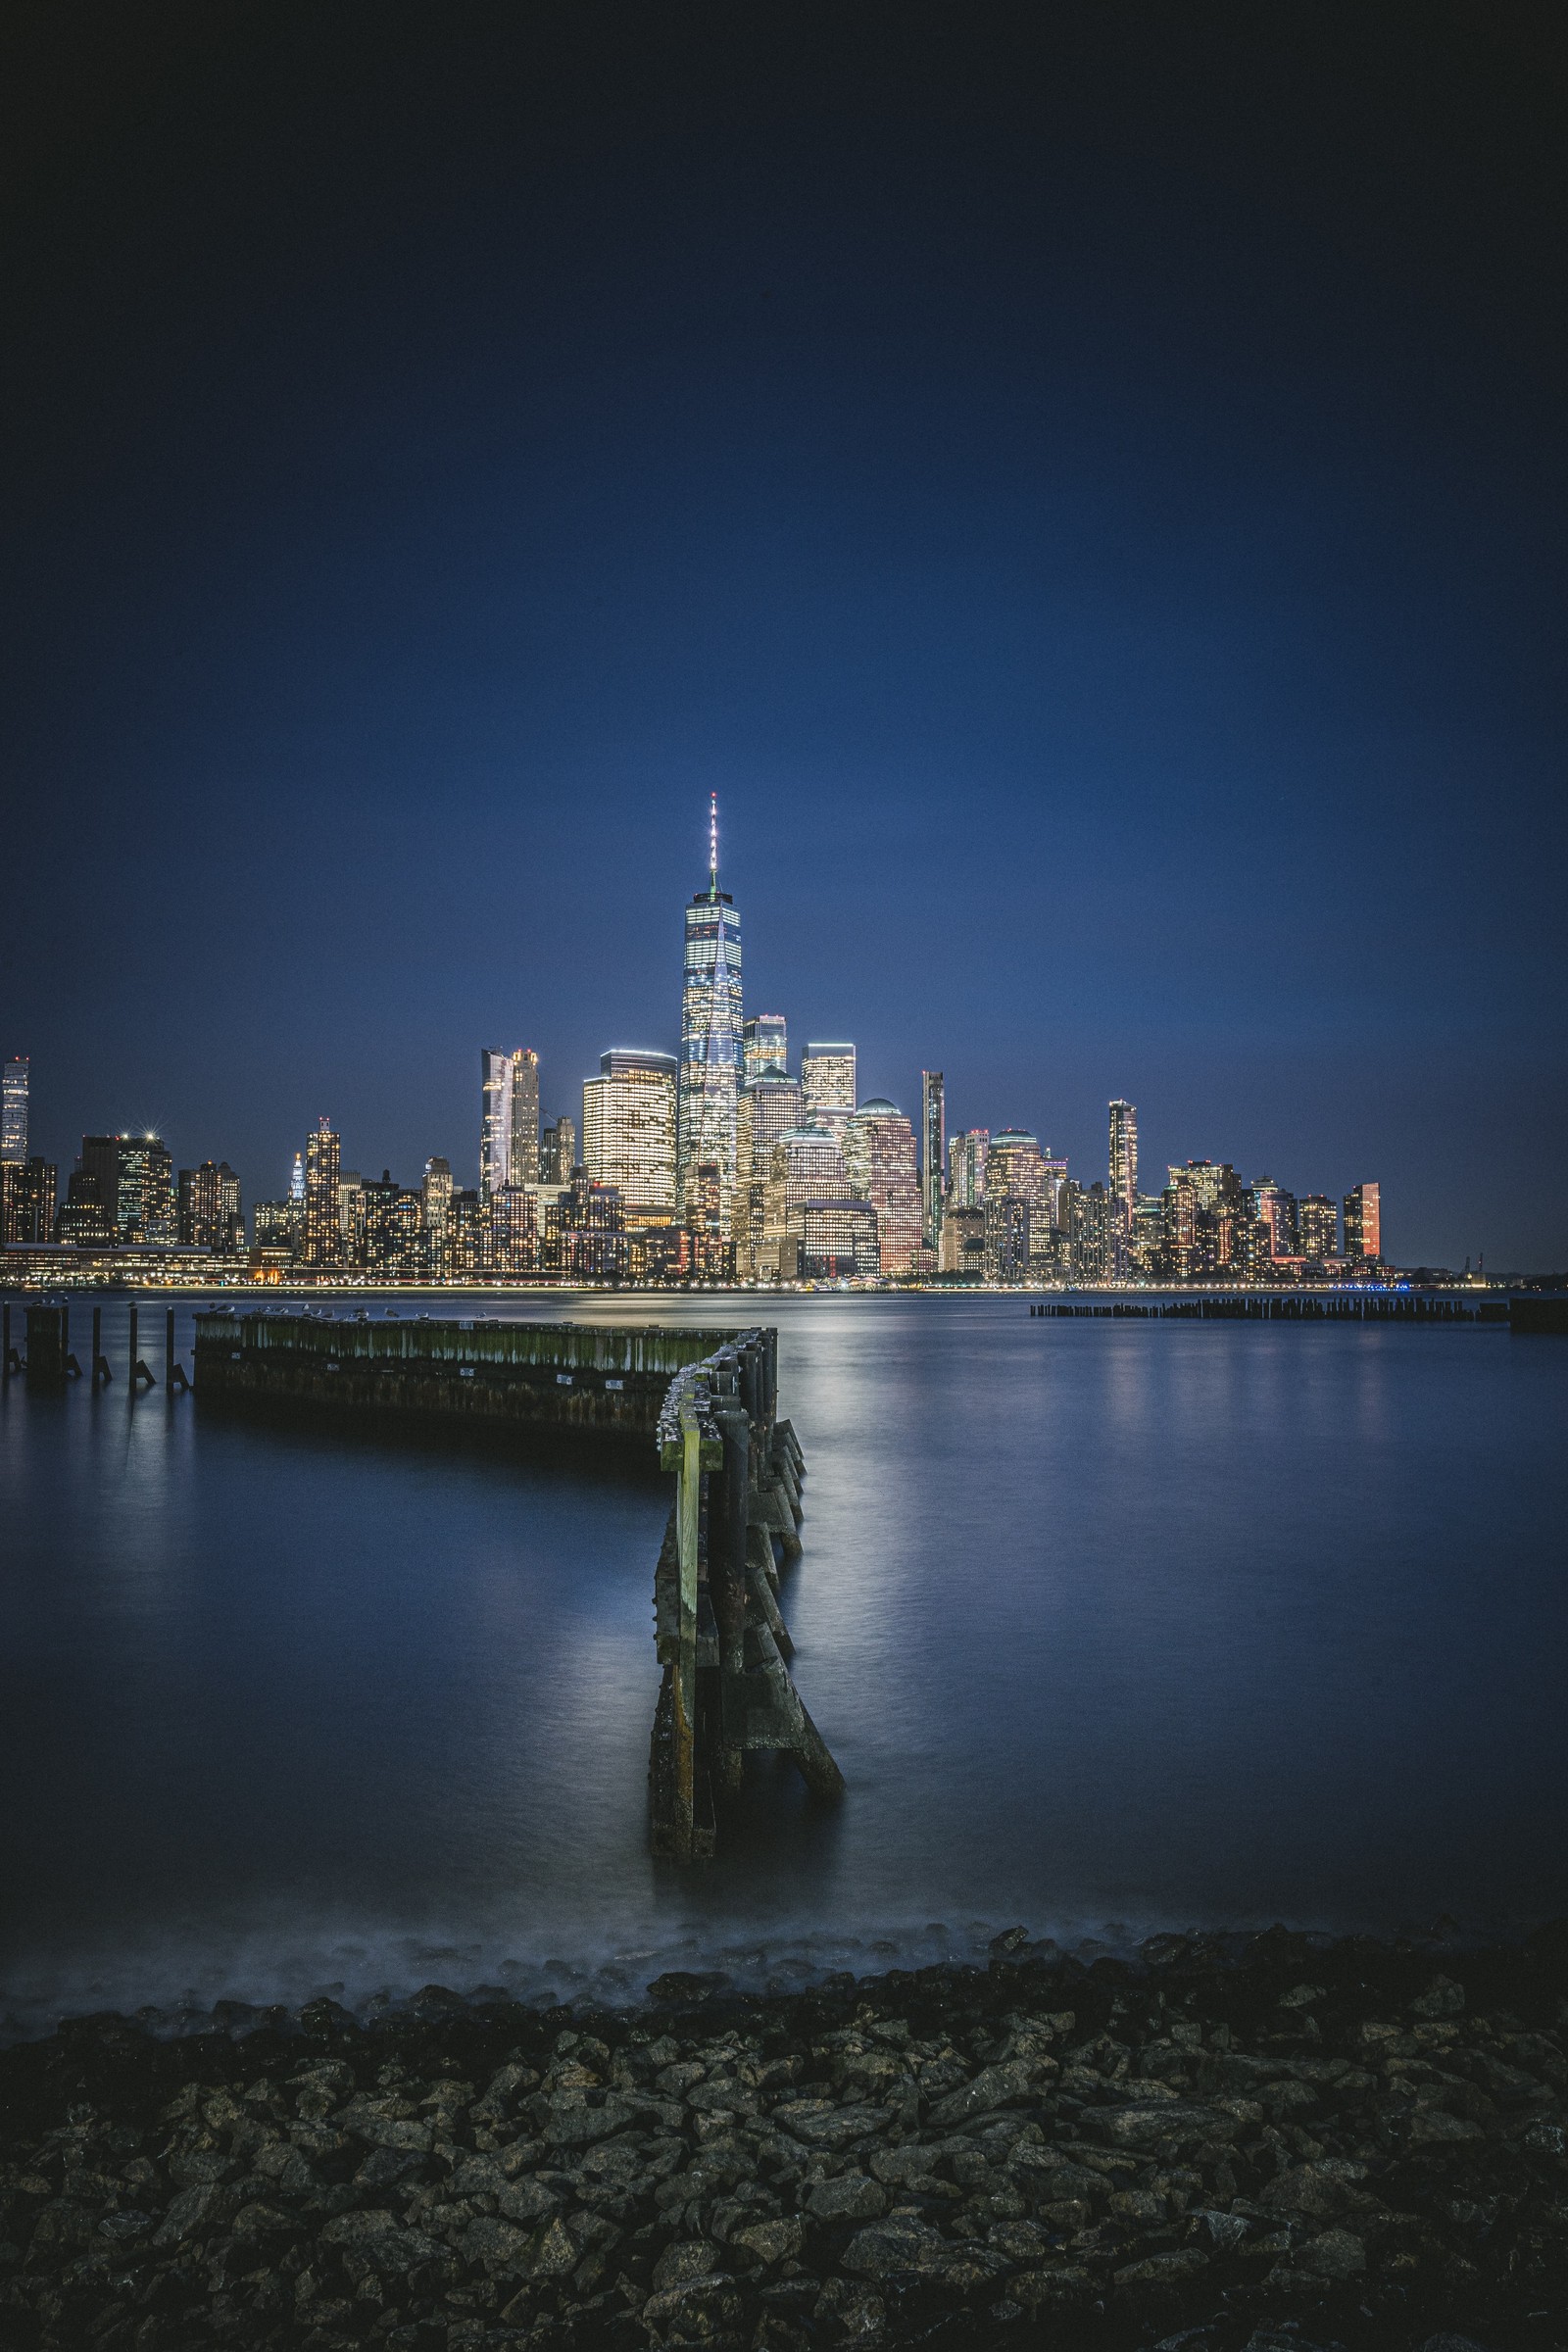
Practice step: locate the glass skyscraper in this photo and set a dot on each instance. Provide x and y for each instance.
(628, 1130)
(710, 1036)
(14, 1109)
(509, 1126)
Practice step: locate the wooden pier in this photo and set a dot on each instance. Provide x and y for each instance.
(701, 1405)
(1287, 1307)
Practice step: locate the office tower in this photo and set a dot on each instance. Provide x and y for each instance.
(963, 1242)
(208, 1215)
(764, 1045)
(471, 1230)
(1204, 1221)
(966, 1167)
(838, 1238)
(1275, 1222)
(351, 1215)
(508, 1117)
(710, 1037)
(1015, 1168)
(273, 1226)
(395, 1240)
(14, 1109)
(585, 1231)
(28, 1201)
(628, 1131)
(84, 1217)
(515, 1230)
(1148, 1235)
(1362, 1212)
(557, 1154)
(1008, 1218)
(1317, 1225)
(827, 1084)
(324, 1232)
(296, 1181)
(1123, 1185)
(879, 1160)
(806, 1165)
(435, 1195)
(134, 1180)
(769, 1106)
(934, 1147)
(1092, 1209)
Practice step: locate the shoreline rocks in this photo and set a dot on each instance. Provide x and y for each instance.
(1305, 2144)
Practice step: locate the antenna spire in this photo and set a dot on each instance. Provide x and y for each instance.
(712, 845)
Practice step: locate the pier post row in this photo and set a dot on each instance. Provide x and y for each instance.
(703, 1404)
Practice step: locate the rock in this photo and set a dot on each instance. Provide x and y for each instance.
(821, 2125)
(552, 2251)
(1301, 1997)
(194, 2209)
(524, 2200)
(852, 2197)
(1011, 1940)
(684, 1985)
(688, 2258)
(499, 2245)
(1225, 2230)
(705, 2311)
(1052, 2284)
(1319, 2189)
(771, 2242)
(573, 2124)
(1020, 2241)
(1452, 2343)
(1160, 2123)
(993, 2086)
(1432, 2128)
(890, 2246)
(1442, 1998)
(1335, 2254)
(125, 2225)
(1163, 2270)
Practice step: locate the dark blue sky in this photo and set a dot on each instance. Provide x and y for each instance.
(1085, 485)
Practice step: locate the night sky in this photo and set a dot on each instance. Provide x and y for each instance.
(1085, 485)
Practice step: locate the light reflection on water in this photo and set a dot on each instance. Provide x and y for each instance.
(1111, 1627)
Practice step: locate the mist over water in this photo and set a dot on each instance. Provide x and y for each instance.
(1111, 1627)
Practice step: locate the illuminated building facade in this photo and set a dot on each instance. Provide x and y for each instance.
(1274, 1233)
(838, 1239)
(394, 1245)
(710, 1038)
(14, 1075)
(1091, 1212)
(1362, 1212)
(764, 1045)
(585, 1232)
(628, 1131)
(557, 1154)
(879, 1158)
(512, 1239)
(769, 1106)
(963, 1243)
(323, 1231)
(436, 1208)
(272, 1226)
(27, 1189)
(1317, 1227)
(508, 1117)
(1123, 1185)
(806, 1165)
(934, 1154)
(966, 1167)
(209, 1213)
(1008, 1220)
(134, 1180)
(828, 1083)
(1205, 1221)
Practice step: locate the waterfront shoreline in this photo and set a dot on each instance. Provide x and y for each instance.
(1225, 2135)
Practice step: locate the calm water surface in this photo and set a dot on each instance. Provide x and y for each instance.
(1111, 1627)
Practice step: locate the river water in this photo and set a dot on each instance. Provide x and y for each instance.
(1112, 1627)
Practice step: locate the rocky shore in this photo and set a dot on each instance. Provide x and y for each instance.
(1275, 2145)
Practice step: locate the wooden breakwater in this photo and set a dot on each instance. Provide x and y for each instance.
(1287, 1306)
(566, 1385)
(722, 1641)
(701, 1405)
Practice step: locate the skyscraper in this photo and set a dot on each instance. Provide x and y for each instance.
(1362, 1212)
(133, 1181)
(966, 1176)
(14, 1109)
(765, 1044)
(710, 1036)
(210, 1214)
(879, 1158)
(828, 1083)
(1318, 1225)
(628, 1131)
(437, 1193)
(1122, 1187)
(509, 1122)
(769, 1106)
(934, 1147)
(806, 1165)
(557, 1154)
(323, 1231)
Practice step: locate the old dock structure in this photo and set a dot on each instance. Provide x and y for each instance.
(701, 1405)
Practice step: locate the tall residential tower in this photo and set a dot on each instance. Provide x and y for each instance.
(509, 1128)
(1122, 1187)
(710, 1037)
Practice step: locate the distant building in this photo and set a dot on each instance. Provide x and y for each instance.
(764, 1045)
(14, 1076)
(1204, 1221)
(209, 1215)
(1317, 1226)
(1362, 1212)
(806, 1165)
(436, 1208)
(471, 1230)
(1094, 1217)
(585, 1232)
(323, 1231)
(273, 1226)
(27, 1191)
(769, 1106)
(838, 1241)
(508, 1117)
(879, 1158)
(351, 1215)
(932, 1156)
(963, 1243)
(514, 1232)
(628, 1131)
(1122, 1186)
(710, 1039)
(557, 1154)
(966, 1167)
(1275, 1225)
(1008, 1238)
(1148, 1235)
(711, 1250)
(828, 1083)
(135, 1179)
